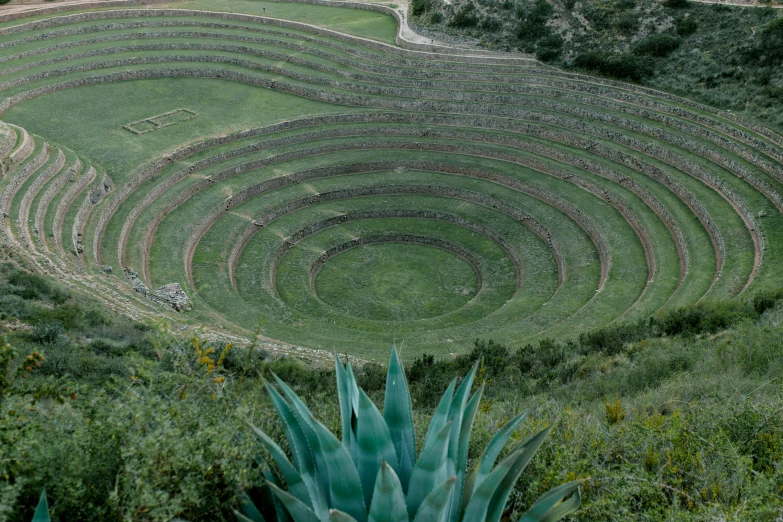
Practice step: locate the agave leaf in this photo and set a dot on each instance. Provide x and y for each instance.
(388, 502)
(526, 450)
(345, 488)
(268, 498)
(555, 504)
(293, 480)
(484, 466)
(251, 512)
(374, 445)
(42, 511)
(441, 414)
(308, 424)
(298, 510)
(346, 404)
(304, 444)
(354, 387)
(243, 518)
(397, 413)
(343, 484)
(456, 411)
(430, 469)
(462, 453)
(484, 494)
(434, 507)
(335, 515)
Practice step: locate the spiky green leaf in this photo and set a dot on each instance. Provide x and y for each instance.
(482, 468)
(526, 450)
(484, 494)
(347, 413)
(374, 445)
(268, 498)
(388, 501)
(249, 510)
(298, 510)
(42, 511)
(335, 515)
(304, 444)
(243, 518)
(441, 414)
(462, 453)
(434, 507)
(293, 480)
(555, 504)
(343, 484)
(430, 469)
(399, 419)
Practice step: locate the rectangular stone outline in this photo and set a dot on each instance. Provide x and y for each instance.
(156, 125)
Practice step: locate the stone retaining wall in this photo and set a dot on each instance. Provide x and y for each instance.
(32, 191)
(291, 240)
(65, 177)
(593, 167)
(24, 149)
(18, 179)
(80, 184)
(576, 214)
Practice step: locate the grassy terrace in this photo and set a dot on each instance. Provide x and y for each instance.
(345, 190)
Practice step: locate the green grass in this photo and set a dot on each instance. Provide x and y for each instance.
(399, 282)
(366, 24)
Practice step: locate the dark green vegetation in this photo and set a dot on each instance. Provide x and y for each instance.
(728, 57)
(639, 415)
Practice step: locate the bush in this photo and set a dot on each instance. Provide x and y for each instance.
(490, 24)
(549, 48)
(659, 45)
(687, 26)
(47, 332)
(675, 4)
(35, 287)
(418, 7)
(533, 24)
(627, 22)
(465, 17)
(771, 44)
(436, 17)
(622, 66)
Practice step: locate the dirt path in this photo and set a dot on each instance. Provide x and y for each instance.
(740, 3)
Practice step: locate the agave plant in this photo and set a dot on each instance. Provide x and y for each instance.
(42, 511)
(373, 474)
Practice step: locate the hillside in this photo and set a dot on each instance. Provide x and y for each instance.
(585, 215)
(685, 426)
(724, 56)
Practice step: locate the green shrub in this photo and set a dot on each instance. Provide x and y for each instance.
(687, 26)
(549, 48)
(419, 7)
(627, 22)
(490, 24)
(675, 4)
(465, 17)
(659, 45)
(623, 66)
(533, 21)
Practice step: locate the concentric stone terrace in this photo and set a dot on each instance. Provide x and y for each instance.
(434, 197)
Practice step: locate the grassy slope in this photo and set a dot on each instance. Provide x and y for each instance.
(709, 66)
(645, 423)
